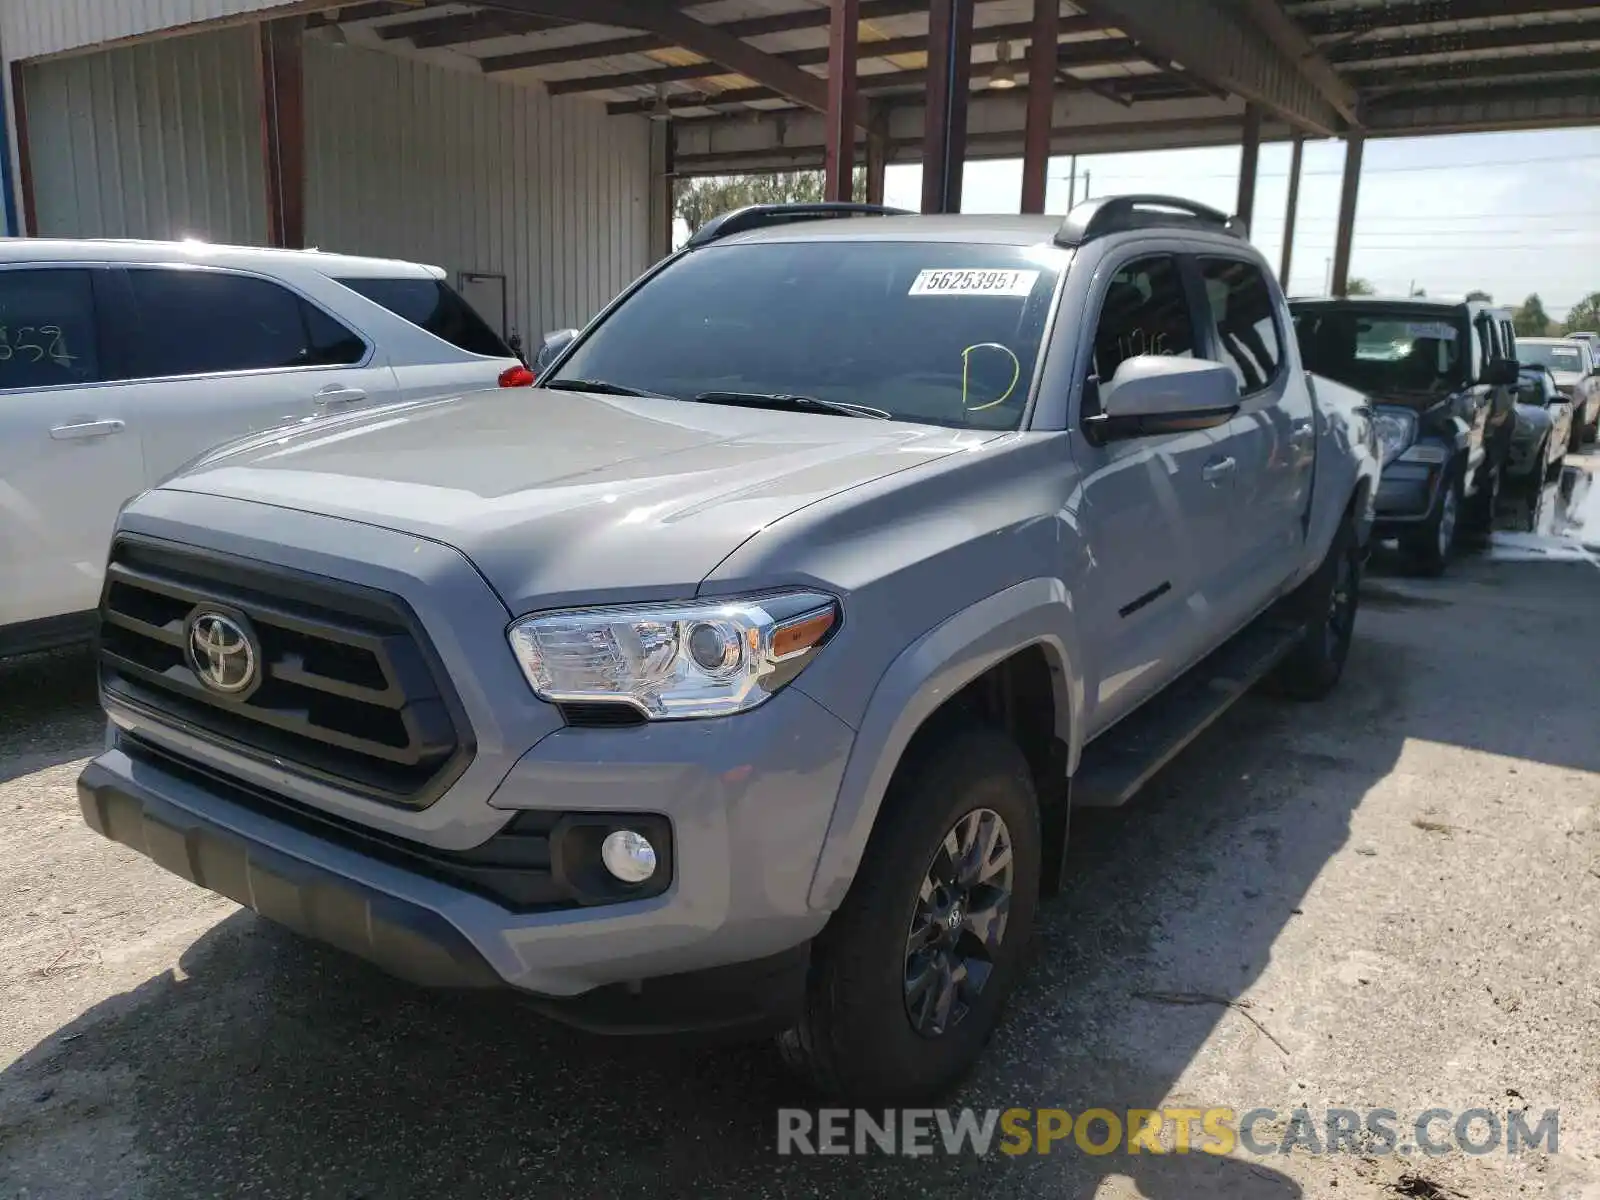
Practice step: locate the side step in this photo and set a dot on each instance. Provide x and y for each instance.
(1118, 763)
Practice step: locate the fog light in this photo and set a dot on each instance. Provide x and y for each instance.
(628, 855)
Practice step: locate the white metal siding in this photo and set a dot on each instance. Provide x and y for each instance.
(157, 140)
(29, 28)
(410, 160)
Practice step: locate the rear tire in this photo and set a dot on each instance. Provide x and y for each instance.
(1330, 600)
(866, 1033)
(1429, 547)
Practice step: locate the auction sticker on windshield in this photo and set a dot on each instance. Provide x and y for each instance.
(963, 281)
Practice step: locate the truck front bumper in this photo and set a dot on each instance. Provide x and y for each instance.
(1407, 493)
(725, 946)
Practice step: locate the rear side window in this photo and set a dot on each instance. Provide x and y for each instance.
(1247, 324)
(196, 322)
(433, 305)
(47, 329)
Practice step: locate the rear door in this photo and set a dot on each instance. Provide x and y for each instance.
(450, 347)
(69, 457)
(1273, 437)
(215, 354)
(1155, 510)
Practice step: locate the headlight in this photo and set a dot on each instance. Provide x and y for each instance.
(694, 659)
(1396, 429)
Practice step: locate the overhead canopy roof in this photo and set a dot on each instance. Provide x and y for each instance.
(742, 79)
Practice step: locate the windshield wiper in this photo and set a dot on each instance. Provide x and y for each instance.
(603, 387)
(793, 403)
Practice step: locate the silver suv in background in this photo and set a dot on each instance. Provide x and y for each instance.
(120, 361)
(745, 673)
(1577, 374)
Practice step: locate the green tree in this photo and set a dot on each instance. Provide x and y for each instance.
(1531, 320)
(1479, 295)
(1357, 286)
(700, 199)
(1585, 315)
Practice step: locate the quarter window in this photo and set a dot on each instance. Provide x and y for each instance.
(197, 322)
(1246, 320)
(47, 329)
(433, 305)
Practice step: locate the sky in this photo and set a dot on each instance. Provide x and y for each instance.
(1509, 213)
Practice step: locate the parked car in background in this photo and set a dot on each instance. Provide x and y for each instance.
(1443, 381)
(1545, 419)
(1572, 362)
(739, 683)
(121, 361)
(1592, 339)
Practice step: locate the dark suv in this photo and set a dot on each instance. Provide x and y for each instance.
(1443, 382)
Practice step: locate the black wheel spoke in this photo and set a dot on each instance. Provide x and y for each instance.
(959, 921)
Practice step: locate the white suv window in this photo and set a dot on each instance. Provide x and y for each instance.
(198, 322)
(47, 328)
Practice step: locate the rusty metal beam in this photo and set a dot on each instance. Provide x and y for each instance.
(1355, 55)
(457, 28)
(877, 155)
(283, 129)
(29, 215)
(808, 18)
(809, 57)
(1291, 211)
(1537, 66)
(1042, 52)
(944, 132)
(1249, 160)
(1298, 49)
(1342, 22)
(1349, 192)
(839, 132)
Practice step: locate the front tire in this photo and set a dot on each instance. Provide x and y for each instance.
(1429, 547)
(908, 980)
(1330, 599)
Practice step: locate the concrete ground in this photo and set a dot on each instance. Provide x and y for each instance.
(1390, 899)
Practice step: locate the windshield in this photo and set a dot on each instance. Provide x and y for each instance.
(933, 332)
(1383, 352)
(1557, 358)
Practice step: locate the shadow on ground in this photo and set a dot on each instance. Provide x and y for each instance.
(48, 711)
(270, 1067)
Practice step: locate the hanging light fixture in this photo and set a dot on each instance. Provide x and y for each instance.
(661, 110)
(1003, 75)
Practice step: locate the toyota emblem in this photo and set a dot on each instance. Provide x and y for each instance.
(222, 651)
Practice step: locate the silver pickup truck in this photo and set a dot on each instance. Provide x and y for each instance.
(742, 676)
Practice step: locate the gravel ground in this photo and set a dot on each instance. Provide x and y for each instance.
(1390, 899)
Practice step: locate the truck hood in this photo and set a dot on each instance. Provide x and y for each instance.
(563, 498)
(1567, 379)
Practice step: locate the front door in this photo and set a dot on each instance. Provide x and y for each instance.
(68, 458)
(1154, 510)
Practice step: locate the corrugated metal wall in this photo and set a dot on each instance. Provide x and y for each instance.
(411, 160)
(29, 28)
(157, 140)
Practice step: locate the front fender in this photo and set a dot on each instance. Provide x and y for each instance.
(920, 679)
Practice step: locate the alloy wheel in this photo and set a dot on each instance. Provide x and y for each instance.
(959, 922)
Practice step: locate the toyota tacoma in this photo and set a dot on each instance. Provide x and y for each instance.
(743, 674)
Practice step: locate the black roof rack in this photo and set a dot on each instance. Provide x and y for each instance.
(755, 216)
(1117, 214)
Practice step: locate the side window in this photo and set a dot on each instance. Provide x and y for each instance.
(1247, 324)
(433, 305)
(47, 328)
(1508, 339)
(1145, 311)
(197, 322)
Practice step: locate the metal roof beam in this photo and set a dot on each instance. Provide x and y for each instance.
(457, 28)
(1117, 50)
(1221, 43)
(811, 56)
(808, 18)
(1355, 21)
(1297, 47)
(1466, 73)
(1352, 54)
(1475, 108)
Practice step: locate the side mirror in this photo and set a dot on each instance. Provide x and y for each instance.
(1502, 372)
(1153, 394)
(550, 350)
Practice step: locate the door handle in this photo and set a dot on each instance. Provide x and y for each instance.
(1216, 469)
(88, 429)
(337, 396)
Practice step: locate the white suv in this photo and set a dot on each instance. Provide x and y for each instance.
(121, 361)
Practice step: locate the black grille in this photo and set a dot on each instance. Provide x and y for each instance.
(350, 691)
